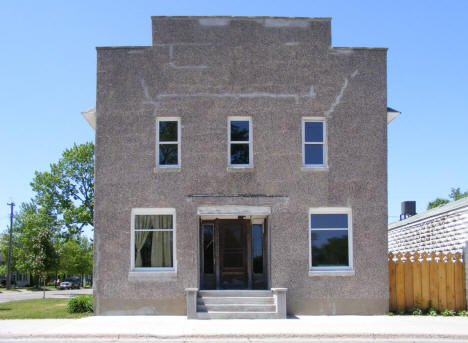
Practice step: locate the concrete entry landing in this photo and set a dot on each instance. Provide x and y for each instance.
(236, 304)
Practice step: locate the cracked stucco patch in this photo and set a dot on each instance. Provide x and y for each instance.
(338, 98)
(149, 100)
(155, 101)
(173, 65)
(253, 95)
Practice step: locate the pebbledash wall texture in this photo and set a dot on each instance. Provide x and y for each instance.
(278, 73)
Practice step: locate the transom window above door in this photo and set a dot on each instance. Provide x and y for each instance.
(168, 142)
(240, 142)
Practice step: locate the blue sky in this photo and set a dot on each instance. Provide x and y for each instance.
(48, 76)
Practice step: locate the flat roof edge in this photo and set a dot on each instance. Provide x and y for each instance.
(122, 47)
(357, 48)
(242, 17)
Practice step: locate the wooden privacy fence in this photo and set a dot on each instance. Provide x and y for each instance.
(415, 280)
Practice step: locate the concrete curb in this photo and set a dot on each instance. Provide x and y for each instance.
(267, 337)
(180, 329)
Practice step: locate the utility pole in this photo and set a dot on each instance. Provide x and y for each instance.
(8, 283)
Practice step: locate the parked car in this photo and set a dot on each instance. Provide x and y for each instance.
(65, 285)
(70, 283)
(75, 281)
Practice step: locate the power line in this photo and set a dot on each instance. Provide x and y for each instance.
(8, 283)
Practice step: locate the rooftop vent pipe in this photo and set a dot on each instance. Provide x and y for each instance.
(408, 209)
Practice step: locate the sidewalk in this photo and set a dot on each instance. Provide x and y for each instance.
(177, 329)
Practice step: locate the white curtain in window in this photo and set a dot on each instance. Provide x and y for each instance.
(161, 252)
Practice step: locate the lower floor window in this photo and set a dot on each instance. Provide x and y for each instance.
(153, 239)
(330, 239)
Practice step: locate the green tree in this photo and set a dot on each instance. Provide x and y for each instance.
(76, 257)
(61, 207)
(68, 188)
(437, 202)
(34, 250)
(455, 194)
(4, 251)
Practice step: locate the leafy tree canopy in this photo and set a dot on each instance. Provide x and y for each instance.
(76, 257)
(34, 251)
(47, 230)
(68, 188)
(455, 194)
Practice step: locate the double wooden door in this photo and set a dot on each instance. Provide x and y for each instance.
(226, 255)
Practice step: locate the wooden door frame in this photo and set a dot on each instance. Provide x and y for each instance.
(247, 226)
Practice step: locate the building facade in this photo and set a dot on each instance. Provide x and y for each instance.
(241, 153)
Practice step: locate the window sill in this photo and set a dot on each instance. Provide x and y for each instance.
(136, 275)
(166, 170)
(247, 169)
(313, 273)
(314, 169)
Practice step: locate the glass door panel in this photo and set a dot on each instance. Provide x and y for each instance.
(233, 262)
(208, 279)
(258, 257)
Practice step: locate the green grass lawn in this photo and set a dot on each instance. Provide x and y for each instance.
(3, 290)
(37, 309)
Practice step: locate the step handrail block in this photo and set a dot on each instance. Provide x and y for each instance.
(280, 299)
(191, 296)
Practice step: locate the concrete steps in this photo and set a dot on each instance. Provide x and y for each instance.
(235, 300)
(234, 293)
(232, 304)
(236, 315)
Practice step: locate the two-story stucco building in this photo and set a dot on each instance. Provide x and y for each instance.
(241, 167)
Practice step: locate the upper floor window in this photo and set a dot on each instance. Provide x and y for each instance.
(314, 149)
(153, 239)
(330, 239)
(240, 142)
(168, 142)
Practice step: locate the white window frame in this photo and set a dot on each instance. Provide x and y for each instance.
(333, 210)
(249, 142)
(150, 212)
(178, 142)
(324, 143)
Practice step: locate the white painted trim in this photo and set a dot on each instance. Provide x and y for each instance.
(323, 166)
(349, 272)
(153, 211)
(333, 210)
(144, 276)
(258, 221)
(90, 115)
(314, 169)
(250, 142)
(178, 142)
(166, 170)
(391, 116)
